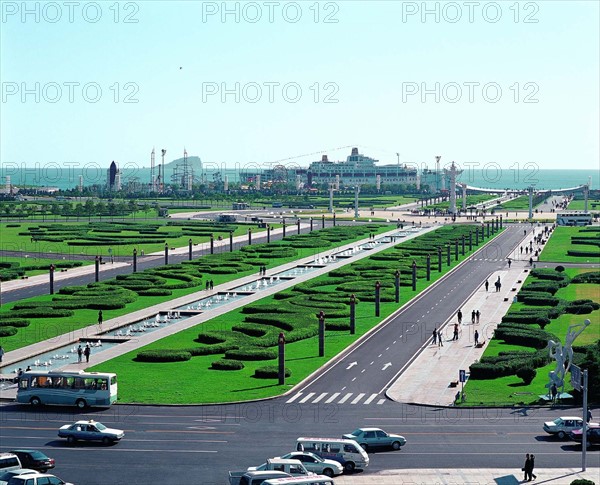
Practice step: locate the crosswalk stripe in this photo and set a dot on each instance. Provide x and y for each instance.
(371, 397)
(306, 398)
(358, 398)
(332, 398)
(345, 398)
(292, 399)
(320, 397)
(381, 401)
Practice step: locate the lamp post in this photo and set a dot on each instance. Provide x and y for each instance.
(352, 314)
(281, 370)
(377, 298)
(268, 233)
(97, 269)
(298, 223)
(428, 267)
(283, 222)
(231, 241)
(323, 221)
(249, 236)
(52, 267)
(397, 285)
(439, 260)
(166, 253)
(311, 224)
(212, 244)
(190, 249)
(321, 333)
(135, 260)
(414, 276)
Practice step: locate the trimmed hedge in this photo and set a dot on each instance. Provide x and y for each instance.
(225, 364)
(14, 323)
(163, 356)
(7, 331)
(246, 353)
(270, 372)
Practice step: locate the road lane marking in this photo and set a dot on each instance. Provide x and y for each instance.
(332, 398)
(320, 397)
(370, 398)
(306, 398)
(345, 398)
(358, 398)
(381, 401)
(292, 399)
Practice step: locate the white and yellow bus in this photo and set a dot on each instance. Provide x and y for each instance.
(81, 389)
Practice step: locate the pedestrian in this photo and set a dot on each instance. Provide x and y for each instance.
(530, 261)
(487, 285)
(211, 284)
(28, 368)
(435, 337)
(2, 351)
(473, 317)
(521, 249)
(79, 353)
(86, 352)
(589, 415)
(531, 467)
(476, 335)
(100, 319)
(142, 252)
(509, 263)
(554, 391)
(455, 332)
(459, 316)
(207, 284)
(477, 315)
(440, 342)
(526, 468)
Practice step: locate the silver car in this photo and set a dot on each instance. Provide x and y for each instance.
(375, 438)
(562, 426)
(316, 464)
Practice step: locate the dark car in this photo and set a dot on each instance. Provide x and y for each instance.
(593, 436)
(36, 460)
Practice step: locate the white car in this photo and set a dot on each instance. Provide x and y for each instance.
(562, 426)
(37, 479)
(314, 463)
(6, 476)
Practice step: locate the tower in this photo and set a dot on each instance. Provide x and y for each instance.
(152, 175)
(453, 172)
(161, 171)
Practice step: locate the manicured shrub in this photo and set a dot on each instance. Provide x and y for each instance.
(559, 268)
(165, 355)
(7, 331)
(211, 349)
(582, 481)
(225, 364)
(592, 277)
(251, 353)
(154, 292)
(19, 323)
(527, 374)
(270, 372)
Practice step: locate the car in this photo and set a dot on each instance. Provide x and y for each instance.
(314, 463)
(6, 476)
(34, 459)
(562, 426)
(90, 431)
(37, 479)
(593, 435)
(375, 438)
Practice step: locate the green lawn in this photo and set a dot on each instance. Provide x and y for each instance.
(579, 205)
(560, 242)
(471, 201)
(171, 380)
(27, 262)
(520, 203)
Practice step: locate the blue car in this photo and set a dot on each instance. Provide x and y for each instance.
(89, 431)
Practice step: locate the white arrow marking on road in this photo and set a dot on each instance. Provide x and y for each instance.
(352, 364)
(386, 366)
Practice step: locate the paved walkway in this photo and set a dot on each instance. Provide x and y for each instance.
(469, 476)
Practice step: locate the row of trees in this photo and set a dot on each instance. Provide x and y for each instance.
(78, 210)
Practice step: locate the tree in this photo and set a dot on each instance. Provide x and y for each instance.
(132, 207)
(89, 208)
(527, 374)
(79, 211)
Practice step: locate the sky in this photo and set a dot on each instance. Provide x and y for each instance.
(241, 83)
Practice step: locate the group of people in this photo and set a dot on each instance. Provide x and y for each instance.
(528, 468)
(209, 285)
(437, 337)
(84, 351)
(262, 271)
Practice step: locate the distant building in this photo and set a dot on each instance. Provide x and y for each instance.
(113, 178)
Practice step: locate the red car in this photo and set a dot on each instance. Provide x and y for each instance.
(36, 460)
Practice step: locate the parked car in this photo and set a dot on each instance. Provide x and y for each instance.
(6, 476)
(375, 438)
(293, 467)
(34, 459)
(89, 431)
(593, 435)
(562, 426)
(255, 477)
(316, 464)
(37, 479)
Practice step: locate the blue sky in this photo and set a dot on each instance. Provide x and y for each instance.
(371, 67)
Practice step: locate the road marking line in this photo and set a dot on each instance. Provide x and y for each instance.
(320, 397)
(372, 363)
(370, 398)
(381, 401)
(353, 379)
(345, 398)
(292, 399)
(332, 398)
(358, 398)
(306, 398)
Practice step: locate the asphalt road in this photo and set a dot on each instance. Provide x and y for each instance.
(198, 445)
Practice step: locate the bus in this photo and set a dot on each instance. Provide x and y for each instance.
(74, 388)
(573, 218)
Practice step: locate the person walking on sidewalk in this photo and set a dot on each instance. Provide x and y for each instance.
(473, 317)
(455, 332)
(100, 319)
(476, 335)
(532, 476)
(434, 336)
(2, 351)
(526, 467)
(477, 315)
(79, 353)
(487, 285)
(440, 342)
(459, 316)
(509, 263)
(87, 352)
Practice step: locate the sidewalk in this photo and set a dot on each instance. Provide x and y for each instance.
(468, 476)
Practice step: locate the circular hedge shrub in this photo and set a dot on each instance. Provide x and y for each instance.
(165, 355)
(251, 354)
(559, 268)
(225, 364)
(270, 372)
(14, 323)
(7, 331)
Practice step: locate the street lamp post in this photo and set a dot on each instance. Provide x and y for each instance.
(190, 249)
(414, 276)
(135, 260)
(231, 241)
(166, 253)
(321, 333)
(281, 370)
(52, 279)
(352, 314)
(97, 269)
(397, 285)
(212, 244)
(377, 298)
(428, 267)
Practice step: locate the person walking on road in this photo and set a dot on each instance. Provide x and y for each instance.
(459, 316)
(509, 263)
(487, 285)
(434, 336)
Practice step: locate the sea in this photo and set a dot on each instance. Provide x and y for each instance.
(490, 175)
